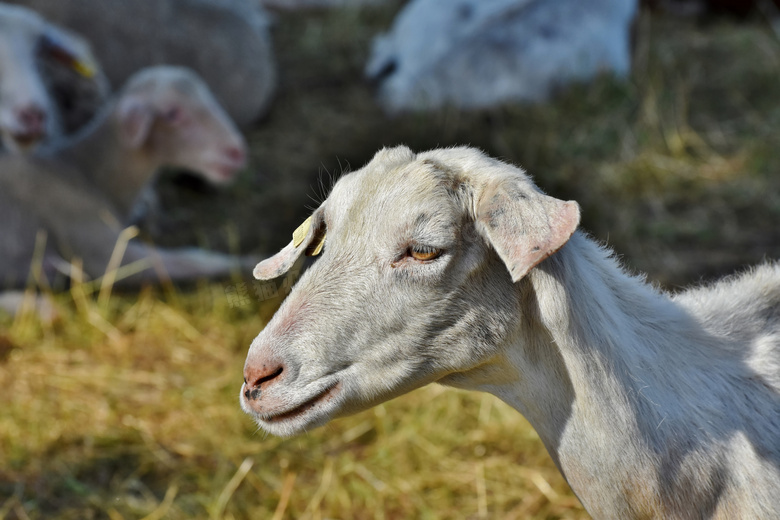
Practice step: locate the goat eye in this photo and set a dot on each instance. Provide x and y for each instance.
(424, 253)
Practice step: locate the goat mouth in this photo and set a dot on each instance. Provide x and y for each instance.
(303, 408)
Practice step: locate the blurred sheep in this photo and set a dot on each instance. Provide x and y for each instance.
(311, 4)
(227, 42)
(739, 8)
(79, 192)
(478, 53)
(49, 80)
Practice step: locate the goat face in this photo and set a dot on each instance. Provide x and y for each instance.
(412, 286)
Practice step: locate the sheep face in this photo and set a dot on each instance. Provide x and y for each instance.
(477, 53)
(424, 34)
(168, 113)
(412, 286)
(27, 112)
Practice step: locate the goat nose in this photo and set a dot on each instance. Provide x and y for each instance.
(32, 117)
(259, 378)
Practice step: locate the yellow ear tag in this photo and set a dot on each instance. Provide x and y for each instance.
(87, 70)
(318, 248)
(300, 233)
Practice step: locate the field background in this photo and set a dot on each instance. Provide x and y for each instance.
(127, 406)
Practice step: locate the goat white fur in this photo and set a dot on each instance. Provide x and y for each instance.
(478, 53)
(452, 267)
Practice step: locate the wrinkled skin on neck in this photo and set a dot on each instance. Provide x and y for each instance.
(370, 321)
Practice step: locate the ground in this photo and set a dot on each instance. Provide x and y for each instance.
(127, 406)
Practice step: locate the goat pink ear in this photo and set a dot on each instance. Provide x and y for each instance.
(278, 264)
(525, 226)
(307, 239)
(135, 121)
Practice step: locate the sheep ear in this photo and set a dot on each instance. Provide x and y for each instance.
(69, 49)
(135, 121)
(524, 225)
(308, 239)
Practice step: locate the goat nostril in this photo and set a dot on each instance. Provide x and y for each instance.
(269, 377)
(256, 381)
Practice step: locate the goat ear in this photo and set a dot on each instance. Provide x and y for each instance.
(135, 121)
(307, 239)
(524, 225)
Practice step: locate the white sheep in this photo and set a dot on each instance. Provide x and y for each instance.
(452, 267)
(80, 191)
(479, 53)
(289, 5)
(226, 42)
(50, 82)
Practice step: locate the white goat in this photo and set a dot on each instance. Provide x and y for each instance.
(226, 42)
(478, 53)
(33, 106)
(452, 267)
(79, 192)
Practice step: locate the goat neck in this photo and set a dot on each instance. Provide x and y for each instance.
(621, 382)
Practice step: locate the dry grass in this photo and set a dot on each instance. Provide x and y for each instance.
(130, 411)
(128, 408)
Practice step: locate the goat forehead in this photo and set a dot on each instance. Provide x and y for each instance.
(376, 197)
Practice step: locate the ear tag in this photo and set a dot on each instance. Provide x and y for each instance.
(300, 233)
(61, 51)
(318, 248)
(85, 68)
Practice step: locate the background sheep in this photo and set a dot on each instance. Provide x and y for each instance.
(82, 190)
(307, 4)
(50, 82)
(472, 54)
(225, 41)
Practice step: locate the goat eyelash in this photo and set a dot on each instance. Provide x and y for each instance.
(424, 253)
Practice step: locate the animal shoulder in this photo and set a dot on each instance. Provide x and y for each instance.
(743, 307)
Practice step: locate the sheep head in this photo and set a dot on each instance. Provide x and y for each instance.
(170, 115)
(27, 111)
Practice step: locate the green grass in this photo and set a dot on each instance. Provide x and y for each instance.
(129, 408)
